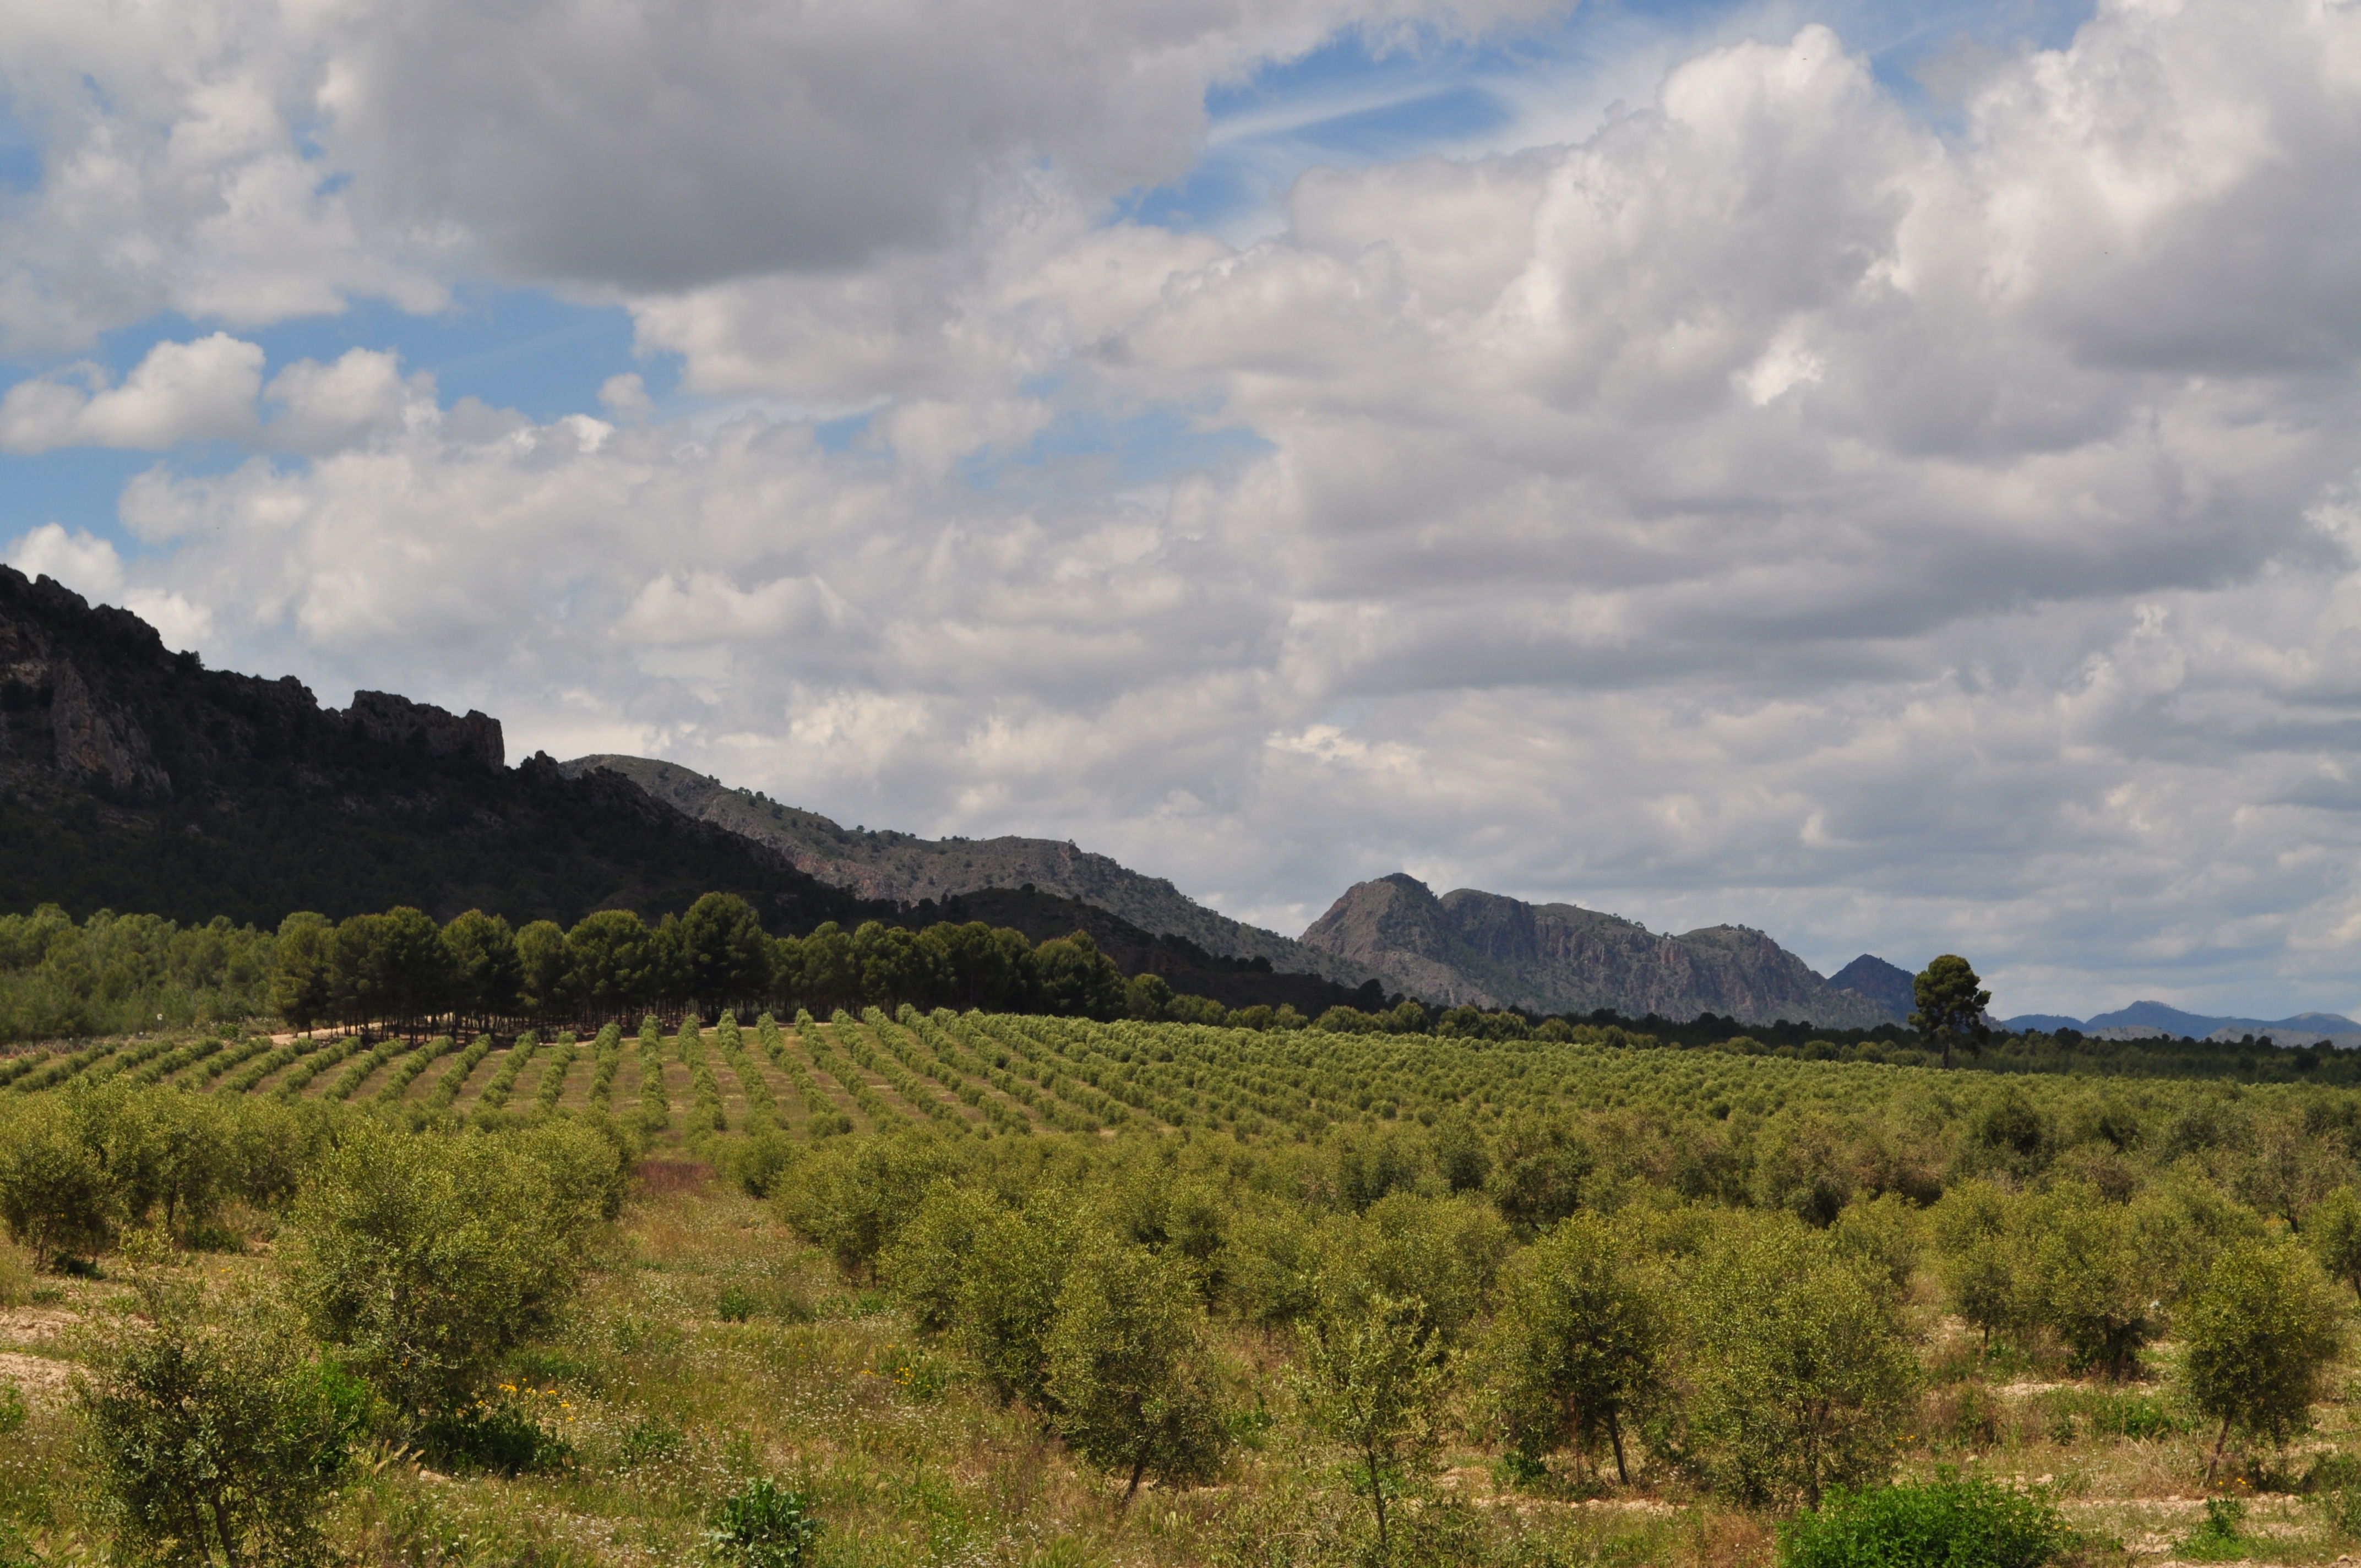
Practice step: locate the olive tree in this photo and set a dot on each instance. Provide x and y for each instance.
(2333, 1229)
(1009, 1298)
(1801, 1369)
(1578, 1343)
(213, 1441)
(2097, 1273)
(425, 1259)
(1129, 1380)
(1370, 1379)
(2261, 1333)
(854, 1197)
(54, 1191)
(1976, 1256)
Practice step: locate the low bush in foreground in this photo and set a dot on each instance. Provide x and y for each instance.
(1944, 1523)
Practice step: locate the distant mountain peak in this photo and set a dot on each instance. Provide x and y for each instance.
(1488, 950)
(1889, 985)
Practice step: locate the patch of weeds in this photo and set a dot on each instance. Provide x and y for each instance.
(2340, 1507)
(736, 1305)
(495, 1439)
(1519, 1470)
(1964, 1416)
(1250, 1428)
(545, 1365)
(918, 1377)
(764, 1525)
(2219, 1536)
(215, 1237)
(13, 1413)
(651, 1442)
(2107, 1412)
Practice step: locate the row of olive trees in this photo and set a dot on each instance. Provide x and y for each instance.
(407, 1266)
(1746, 1350)
(82, 1167)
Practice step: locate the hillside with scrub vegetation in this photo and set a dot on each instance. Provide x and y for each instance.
(948, 1285)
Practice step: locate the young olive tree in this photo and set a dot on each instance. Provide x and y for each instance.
(1801, 1369)
(54, 1191)
(1578, 1345)
(213, 1441)
(1129, 1378)
(1370, 1379)
(2260, 1333)
(2334, 1231)
(853, 1197)
(1009, 1298)
(1976, 1256)
(2099, 1273)
(426, 1258)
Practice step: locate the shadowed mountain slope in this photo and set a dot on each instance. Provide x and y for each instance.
(1485, 950)
(907, 869)
(1890, 986)
(133, 778)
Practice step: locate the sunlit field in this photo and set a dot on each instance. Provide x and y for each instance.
(957, 1285)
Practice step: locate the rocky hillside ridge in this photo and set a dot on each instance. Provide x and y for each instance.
(1485, 950)
(902, 867)
(133, 778)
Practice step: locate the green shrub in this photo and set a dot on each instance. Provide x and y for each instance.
(213, 1438)
(13, 1413)
(53, 1190)
(763, 1526)
(426, 1258)
(1944, 1523)
(497, 1438)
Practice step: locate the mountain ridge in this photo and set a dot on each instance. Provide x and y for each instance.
(133, 778)
(2146, 1019)
(885, 864)
(1485, 950)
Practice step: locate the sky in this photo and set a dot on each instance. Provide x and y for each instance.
(1885, 475)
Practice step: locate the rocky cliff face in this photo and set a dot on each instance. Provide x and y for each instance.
(1485, 950)
(397, 721)
(133, 777)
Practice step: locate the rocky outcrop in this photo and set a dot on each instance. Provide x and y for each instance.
(133, 778)
(392, 721)
(53, 716)
(1485, 950)
(98, 744)
(906, 868)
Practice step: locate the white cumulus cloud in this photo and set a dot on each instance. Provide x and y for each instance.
(180, 391)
